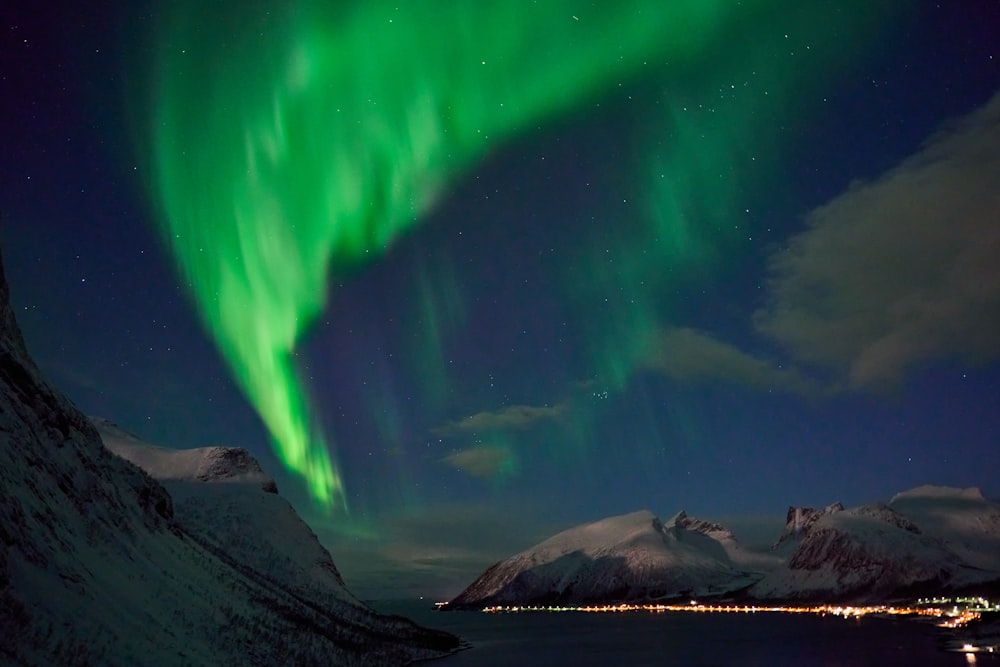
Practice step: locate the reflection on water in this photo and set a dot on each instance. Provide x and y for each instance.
(700, 640)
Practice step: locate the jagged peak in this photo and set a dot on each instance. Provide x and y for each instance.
(677, 519)
(801, 517)
(798, 521)
(699, 525)
(882, 512)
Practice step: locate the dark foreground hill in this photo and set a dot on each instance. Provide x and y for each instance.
(96, 568)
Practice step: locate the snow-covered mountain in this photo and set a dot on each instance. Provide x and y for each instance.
(798, 520)
(867, 551)
(202, 464)
(96, 568)
(630, 557)
(927, 540)
(963, 518)
(224, 499)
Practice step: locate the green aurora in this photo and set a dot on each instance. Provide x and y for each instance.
(291, 144)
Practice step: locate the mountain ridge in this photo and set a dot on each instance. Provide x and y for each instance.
(232, 512)
(205, 464)
(629, 557)
(929, 537)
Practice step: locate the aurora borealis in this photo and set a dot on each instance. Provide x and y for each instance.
(311, 139)
(321, 142)
(467, 270)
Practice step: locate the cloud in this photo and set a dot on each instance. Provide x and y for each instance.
(514, 417)
(902, 270)
(686, 354)
(482, 461)
(494, 452)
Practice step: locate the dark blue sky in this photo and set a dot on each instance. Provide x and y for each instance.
(841, 344)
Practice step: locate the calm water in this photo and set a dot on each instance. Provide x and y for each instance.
(697, 640)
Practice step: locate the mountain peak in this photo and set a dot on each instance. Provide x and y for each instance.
(682, 520)
(798, 521)
(201, 464)
(628, 557)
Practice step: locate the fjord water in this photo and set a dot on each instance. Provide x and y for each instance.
(691, 640)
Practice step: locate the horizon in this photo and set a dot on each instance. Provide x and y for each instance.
(371, 577)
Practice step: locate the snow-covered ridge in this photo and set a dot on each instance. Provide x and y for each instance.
(963, 518)
(931, 539)
(224, 499)
(599, 537)
(798, 520)
(202, 464)
(629, 557)
(874, 552)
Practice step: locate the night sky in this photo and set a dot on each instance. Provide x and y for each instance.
(464, 274)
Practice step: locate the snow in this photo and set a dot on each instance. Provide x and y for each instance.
(963, 518)
(598, 537)
(97, 568)
(866, 550)
(797, 522)
(232, 513)
(230, 464)
(629, 557)
(933, 539)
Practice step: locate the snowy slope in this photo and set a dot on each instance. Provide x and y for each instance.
(928, 540)
(95, 569)
(875, 551)
(203, 464)
(798, 521)
(223, 498)
(963, 518)
(629, 557)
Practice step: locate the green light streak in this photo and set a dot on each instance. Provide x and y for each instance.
(721, 128)
(286, 144)
(439, 311)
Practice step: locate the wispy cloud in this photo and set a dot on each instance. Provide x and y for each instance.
(487, 461)
(514, 417)
(902, 270)
(687, 354)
